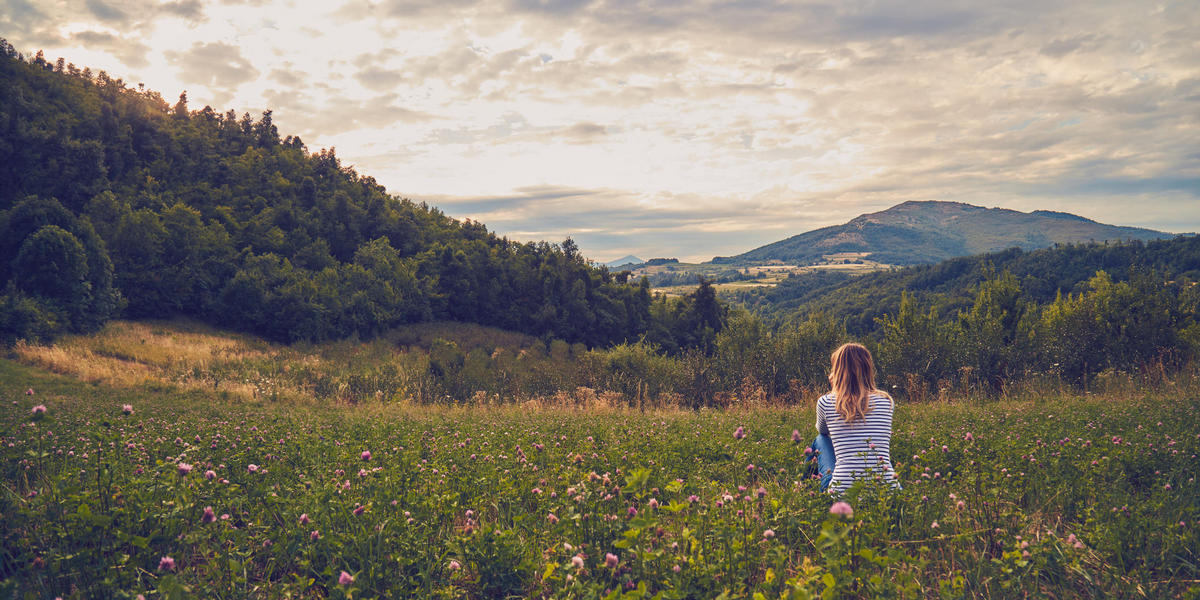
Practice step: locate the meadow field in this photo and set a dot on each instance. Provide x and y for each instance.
(117, 490)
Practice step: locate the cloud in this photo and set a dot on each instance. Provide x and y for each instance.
(106, 12)
(130, 51)
(583, 132)
(20, 14)
(214, 64)
(378, 79)
(340, 116)
(712, 125)
(192, 10)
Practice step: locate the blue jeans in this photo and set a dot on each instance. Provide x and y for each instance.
(822, 448)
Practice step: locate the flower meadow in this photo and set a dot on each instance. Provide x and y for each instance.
(118, 494)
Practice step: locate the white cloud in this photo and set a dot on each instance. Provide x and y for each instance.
(710, 125)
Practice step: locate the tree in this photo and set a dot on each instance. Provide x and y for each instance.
(52, 266)
(993, 336)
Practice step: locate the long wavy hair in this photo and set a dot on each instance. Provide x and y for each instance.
(852, 378)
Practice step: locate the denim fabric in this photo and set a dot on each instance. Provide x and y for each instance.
(822, 447)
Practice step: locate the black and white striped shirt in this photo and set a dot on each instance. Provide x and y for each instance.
(862, 448)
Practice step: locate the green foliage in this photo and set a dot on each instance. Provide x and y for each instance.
(1041, 274)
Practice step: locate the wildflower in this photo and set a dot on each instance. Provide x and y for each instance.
(29, 392)
(345, 578)
(796, 436)
(358, 510)
(184, 468)
(610, 560)
(750, 468)
(552, 518)
(304, 519)
(676, 568)
(577, 561)
(166, 563)
(366, 455)
(934, 525)
(208, 516)
(693, 499)
(761, 492)
(632, 512)
(969, 437)
(739, 433)
(39, 410)
(454, 565)
(252, 468)
(653, 503)
(961, 505)
(768, 534)
(127, 409)
(210, 474)
(841, 508)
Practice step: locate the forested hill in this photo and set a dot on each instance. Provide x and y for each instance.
(927, 232)
(950, 285)
(116, 202)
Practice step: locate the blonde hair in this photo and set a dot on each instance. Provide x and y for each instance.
(853, 380)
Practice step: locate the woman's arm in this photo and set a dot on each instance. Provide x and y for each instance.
(822, 428)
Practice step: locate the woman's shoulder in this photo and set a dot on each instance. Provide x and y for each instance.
(882, 398)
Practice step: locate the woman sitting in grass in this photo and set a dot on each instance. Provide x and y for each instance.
(854, 423)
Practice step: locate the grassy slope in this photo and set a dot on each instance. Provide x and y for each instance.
(187, 355)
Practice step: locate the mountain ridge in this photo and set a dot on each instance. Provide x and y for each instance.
(928, 231)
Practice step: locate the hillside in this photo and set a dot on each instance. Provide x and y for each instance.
(927, 232)
(114, 203)
(1042, 274)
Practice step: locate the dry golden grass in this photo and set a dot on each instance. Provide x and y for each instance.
(128, 354)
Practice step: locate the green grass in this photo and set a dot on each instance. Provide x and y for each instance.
(93, 499)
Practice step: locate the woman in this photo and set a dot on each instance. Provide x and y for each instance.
(854, 423)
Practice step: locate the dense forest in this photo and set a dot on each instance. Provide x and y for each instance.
(116, 203)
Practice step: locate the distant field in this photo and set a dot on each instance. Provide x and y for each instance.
(763, 275)
(205, 494)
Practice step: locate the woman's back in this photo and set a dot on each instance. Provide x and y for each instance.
(862, 448)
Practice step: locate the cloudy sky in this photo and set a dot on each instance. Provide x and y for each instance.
(689, 128)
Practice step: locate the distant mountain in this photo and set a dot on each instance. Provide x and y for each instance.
(627, 261)
(928, 232)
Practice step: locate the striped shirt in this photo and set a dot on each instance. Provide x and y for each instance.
(862, 448)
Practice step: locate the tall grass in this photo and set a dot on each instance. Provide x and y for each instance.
(456, 364)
